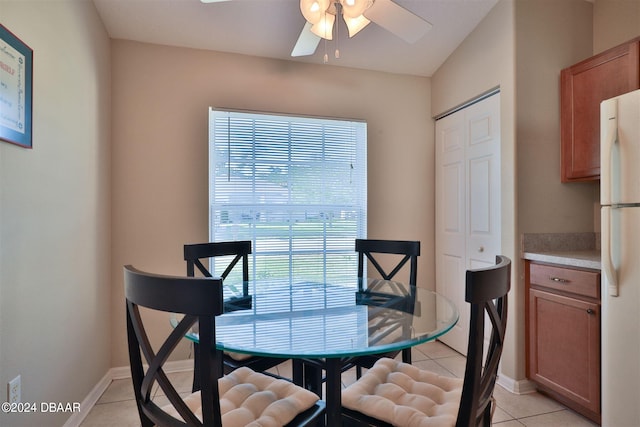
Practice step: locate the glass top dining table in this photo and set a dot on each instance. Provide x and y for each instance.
(332, 322)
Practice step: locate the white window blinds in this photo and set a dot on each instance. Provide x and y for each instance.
(295, 186)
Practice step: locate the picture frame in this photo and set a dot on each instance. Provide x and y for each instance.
(16, 90)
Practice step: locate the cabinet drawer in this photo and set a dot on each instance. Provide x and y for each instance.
(580, 282)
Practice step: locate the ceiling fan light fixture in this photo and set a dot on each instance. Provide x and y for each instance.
(354, 25)
(324, 27)
(354, 8)
(321, 16)
(313, 10)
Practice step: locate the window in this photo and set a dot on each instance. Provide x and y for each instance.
(295, 186)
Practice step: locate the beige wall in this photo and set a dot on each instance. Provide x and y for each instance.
(614, 22)
(521, 47)
(161, 97)
(485, 60)
(550, 36)
(55, 291)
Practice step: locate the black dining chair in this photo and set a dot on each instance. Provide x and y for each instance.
(380, 397)
(400, 256)
(236, 252)
(250, 398)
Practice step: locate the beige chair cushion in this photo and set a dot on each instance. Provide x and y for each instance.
(238, 356)
(405, 395)
(248, 398)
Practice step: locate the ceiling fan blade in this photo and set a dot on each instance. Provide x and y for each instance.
(307, 42)
(398, 20)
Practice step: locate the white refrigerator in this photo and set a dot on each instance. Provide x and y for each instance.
(620, 244)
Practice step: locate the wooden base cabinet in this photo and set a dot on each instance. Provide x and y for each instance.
(564, 335)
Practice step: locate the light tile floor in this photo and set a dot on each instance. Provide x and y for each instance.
(116, 407)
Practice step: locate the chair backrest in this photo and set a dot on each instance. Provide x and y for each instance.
(200, 300)
(240, 250)
(194, 253)
(369, 249)
(486, 292)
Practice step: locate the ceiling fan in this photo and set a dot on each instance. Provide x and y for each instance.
(357, 14)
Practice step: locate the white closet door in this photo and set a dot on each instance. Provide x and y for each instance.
(467, 202)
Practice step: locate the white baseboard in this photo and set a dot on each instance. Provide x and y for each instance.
(516, 386)
(87, 404)
(121, 373)
(112, 374)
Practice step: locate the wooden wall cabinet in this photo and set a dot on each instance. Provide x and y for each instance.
(563, 335)
(583, 87)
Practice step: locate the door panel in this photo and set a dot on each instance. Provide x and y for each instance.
(452, 265)
(467, 202)
(453, 216)
(450, 216)
(479, 214)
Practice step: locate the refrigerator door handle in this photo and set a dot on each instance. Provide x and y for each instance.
(608, 138)
(607, 261)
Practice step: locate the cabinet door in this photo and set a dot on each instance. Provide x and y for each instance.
(564, 347)
(583, 87)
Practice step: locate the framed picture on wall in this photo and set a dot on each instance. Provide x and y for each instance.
(16, 89)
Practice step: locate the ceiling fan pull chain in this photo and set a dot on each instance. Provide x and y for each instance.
(326, 55)
(339, 11)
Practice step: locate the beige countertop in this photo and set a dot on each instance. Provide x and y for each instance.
(570, 249)
(582, 259)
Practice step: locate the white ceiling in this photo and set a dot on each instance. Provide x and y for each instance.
(270, 28)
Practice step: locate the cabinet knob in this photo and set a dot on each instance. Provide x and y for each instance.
(591, 311)
(481, 249)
